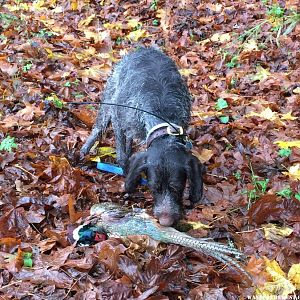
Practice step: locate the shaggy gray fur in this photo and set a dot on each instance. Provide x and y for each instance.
(148, 79)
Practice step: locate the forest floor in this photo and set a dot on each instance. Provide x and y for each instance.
(241, 60)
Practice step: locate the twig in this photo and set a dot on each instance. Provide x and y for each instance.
(24, 170)
(10, 284)
(248, 231)
(218, 176)
(75, 282)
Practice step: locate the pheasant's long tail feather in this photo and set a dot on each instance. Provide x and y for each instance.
(228, 261)
(218, 251)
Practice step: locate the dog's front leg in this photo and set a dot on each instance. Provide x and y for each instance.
(123, 149)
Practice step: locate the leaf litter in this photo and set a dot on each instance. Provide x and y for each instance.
(243, 52)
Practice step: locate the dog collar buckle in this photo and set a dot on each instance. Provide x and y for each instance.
(175, 130)
(162, 130)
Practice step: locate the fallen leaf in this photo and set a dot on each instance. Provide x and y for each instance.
(261, 74)
(86, 22)
(288, 144)
(137, 34)
(188, 72)
(294, 275)
(296, 90)
(95, 72)
(205, 155)
(250, 45)
(198, 225)
(293, 172)
(133, 23)
(164, 19)
(221, 37)
(116, 26)
(276, 233)
(288, 116)
(279, 285)
(267, 114)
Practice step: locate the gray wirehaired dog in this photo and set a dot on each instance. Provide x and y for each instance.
(149, 80)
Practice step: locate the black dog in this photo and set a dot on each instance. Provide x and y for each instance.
(149, 80)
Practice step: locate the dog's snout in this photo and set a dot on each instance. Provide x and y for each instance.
(167, 210)
(166, 219)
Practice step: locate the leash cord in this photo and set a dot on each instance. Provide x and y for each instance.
(127, 106)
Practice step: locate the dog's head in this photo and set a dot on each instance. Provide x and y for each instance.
(167, 172)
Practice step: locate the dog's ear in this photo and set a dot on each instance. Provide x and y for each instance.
(195, 171)
(137, 165)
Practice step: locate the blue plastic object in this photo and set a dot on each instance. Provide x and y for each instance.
(110, 168)
(115, 170)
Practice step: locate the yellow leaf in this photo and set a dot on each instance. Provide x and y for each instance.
(164, 19)
(86, 53)
(86, 22)
(188, 72)
(52, 25)
(95, 72)
(58, 9)
(198, 225)
(106, 151)
(279, 285)
(20, 6)
(294, 275)
(133, 23)
(294, 172)
(206, 114)
(273, 269)
(276, 233)
(214, 7)
(267, 114)
(218, 37)
(137, 34)
(288, 116)
(205, 155)
(250, 45)
(296, 90)
(96, 36)
(74, 5)
(50, 53)
(116, 26)
(261, 74)
(288, 144)
(225, 37)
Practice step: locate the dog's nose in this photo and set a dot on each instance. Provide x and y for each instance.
(166, 219)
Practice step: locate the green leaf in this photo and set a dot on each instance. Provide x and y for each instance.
(27, 67)
(262, 184)
(238, 175)
(27, 260)
(297, 196)
(155, 22)
(8, 144)
(224, 119)
(56, 101)
(221, 103)
(233, 62)
(276, 11)
(286, 193)
(285, 152)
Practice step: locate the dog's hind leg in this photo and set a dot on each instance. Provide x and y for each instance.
(102, 121)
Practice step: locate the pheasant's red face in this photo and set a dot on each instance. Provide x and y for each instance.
(99, 237)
